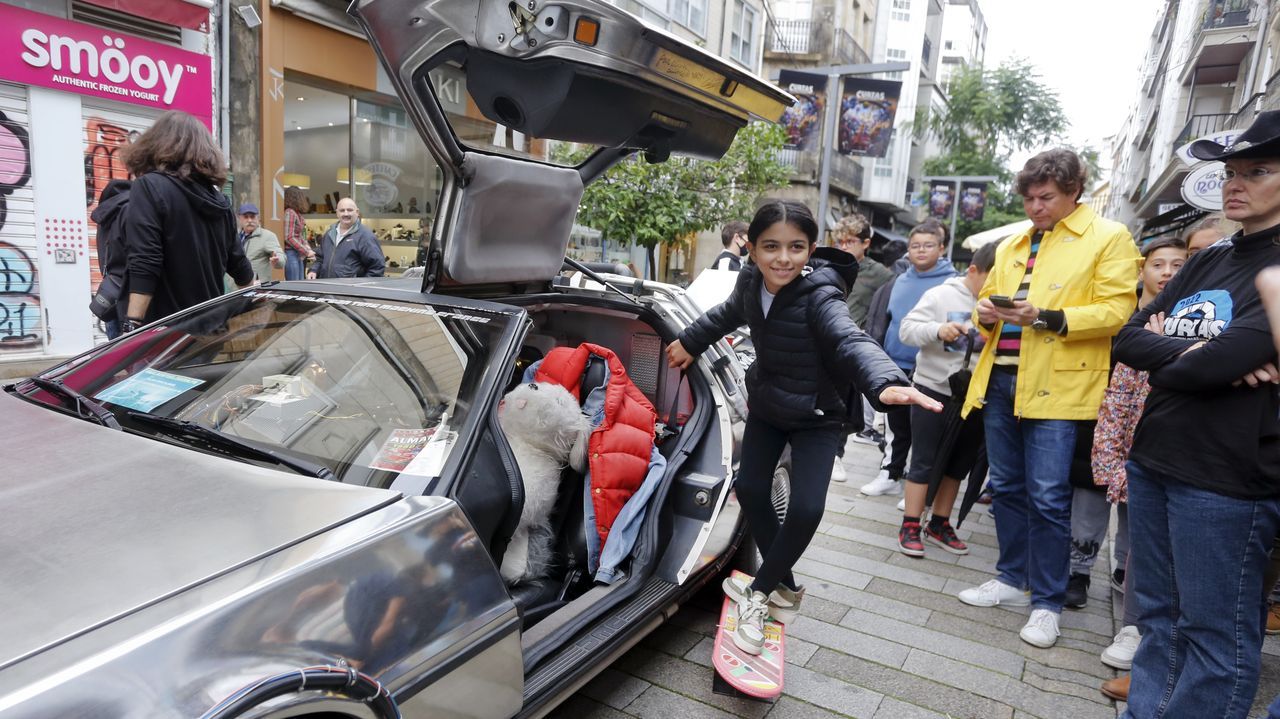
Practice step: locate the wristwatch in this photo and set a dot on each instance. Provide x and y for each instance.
(1039, 322)
(130, 324)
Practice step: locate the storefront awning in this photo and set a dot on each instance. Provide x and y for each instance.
(1169, 223)
(191, 14)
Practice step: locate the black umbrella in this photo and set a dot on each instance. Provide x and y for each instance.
(953, 421)
(973, 490)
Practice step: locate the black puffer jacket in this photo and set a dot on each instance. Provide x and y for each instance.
(810, 357)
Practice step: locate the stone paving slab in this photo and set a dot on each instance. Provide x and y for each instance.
(882, 636)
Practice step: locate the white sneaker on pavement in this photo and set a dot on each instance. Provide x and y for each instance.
(1120, 654)
(1041, 629)
(995, 592)
(882, 484)
(902, 504)
(838, 473)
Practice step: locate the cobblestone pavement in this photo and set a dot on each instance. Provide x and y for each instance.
(882, 636)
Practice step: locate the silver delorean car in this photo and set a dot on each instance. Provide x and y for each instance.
(292, 501)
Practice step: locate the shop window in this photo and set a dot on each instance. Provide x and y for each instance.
(338, 146)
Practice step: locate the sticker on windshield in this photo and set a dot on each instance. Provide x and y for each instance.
(400, 448)
(147, 389)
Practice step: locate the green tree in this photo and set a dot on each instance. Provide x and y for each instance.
(655, 204)
(991, 115)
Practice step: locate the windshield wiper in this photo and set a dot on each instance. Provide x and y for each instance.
(96, 411)
(243, 447)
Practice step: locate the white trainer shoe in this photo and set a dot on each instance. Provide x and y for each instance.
(902, 504)
(838, 473)
(749, 635)
(784, 604)
(881, 485)
(995, 592)
(1120, 654)
(1041, 629)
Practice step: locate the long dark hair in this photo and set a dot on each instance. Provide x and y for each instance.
(180, 145)
(295, 200)
(793, 213)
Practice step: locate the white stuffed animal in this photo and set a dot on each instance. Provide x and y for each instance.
(547, 431)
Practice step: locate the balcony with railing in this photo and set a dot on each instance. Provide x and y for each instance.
(846, 172)
(1200, 125)
(1228, 29)
(813, 40)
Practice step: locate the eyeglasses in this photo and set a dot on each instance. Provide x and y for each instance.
(1253, 174)
(922, 246)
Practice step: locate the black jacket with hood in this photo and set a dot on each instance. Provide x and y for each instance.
(180, 238)
(109, 218)
(810, 356)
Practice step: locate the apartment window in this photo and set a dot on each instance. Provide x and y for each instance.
(948, 44)
(742, 34)
(901, 10)
(691, 13)
(892, 55)
(883, 171)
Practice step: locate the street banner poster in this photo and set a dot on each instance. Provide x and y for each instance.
(867, 108)
(973, 201)
(941, 199)
(803, 120)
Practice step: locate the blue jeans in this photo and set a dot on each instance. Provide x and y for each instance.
(293, 268)
(1030, 495)
(1197, 560)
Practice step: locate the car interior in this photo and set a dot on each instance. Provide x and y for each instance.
(640, 347)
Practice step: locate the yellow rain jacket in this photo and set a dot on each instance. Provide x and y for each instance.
(1088, 268)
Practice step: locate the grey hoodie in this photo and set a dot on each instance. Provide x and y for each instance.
(950, 301)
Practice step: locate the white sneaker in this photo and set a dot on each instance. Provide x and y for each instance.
(1120, 654)
(902, 504)
(837, 472)
(784, 604)
(995, 592)
(1041, 629)
(881, 485)
(749, 635)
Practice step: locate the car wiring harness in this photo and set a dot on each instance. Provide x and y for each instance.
(343, 681)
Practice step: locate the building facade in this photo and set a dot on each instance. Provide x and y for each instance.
(1209, 69)
(79, 79)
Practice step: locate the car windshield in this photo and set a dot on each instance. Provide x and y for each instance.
(367, 389)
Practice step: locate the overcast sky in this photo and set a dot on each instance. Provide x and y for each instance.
(1088, 50)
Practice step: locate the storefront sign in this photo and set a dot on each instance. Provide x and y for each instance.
(1203, 187)
(51, 52)
(1222, 137)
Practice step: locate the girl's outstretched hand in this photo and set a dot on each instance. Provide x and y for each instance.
(909, 395)
(677, 356)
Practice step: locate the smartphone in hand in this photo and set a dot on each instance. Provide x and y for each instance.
(1001, 301)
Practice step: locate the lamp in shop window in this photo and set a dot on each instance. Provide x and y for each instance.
(363, 177)
(295, 179)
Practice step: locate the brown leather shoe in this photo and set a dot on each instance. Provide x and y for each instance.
(1117, 688)
(1273, 619)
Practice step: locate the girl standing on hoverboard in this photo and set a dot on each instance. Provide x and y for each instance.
(810, 359)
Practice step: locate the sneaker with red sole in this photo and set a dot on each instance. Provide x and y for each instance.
(909, 539)
(946, 538)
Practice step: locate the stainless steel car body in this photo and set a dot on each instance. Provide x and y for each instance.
(143, 579)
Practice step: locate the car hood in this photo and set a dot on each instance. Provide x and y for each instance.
(100, 524)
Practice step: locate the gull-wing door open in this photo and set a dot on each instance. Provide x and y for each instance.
(519, 101)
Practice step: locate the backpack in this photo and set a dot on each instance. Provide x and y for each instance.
(109, 216)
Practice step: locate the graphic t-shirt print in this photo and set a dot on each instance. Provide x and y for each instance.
(1201, 316)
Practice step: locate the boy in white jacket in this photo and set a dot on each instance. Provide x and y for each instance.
(941, 326)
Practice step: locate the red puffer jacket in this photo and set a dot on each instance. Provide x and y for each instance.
(619, 448)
